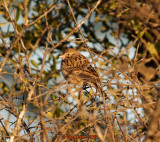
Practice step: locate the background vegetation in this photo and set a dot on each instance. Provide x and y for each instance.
(120, 37)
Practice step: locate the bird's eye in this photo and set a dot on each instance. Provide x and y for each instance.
(68, 54)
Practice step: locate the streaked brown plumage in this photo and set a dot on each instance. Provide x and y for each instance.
(77, 70)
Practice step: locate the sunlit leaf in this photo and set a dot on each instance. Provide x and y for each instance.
(3, 24)
(113, 5)
(151, 48)
(141, 34)
(6, 89)
(34, 63)
(36, 34)
(97, 19)
(37, 26)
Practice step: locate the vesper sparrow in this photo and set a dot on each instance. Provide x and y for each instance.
(77, 70)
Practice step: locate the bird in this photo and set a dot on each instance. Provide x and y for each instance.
(77, 70)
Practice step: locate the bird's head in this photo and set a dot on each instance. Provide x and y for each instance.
(69, 53)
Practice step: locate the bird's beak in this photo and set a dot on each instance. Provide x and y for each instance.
(62, 56)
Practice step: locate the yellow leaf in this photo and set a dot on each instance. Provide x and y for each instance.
(34, 63)
(49, 114)
(1, 85)
(100, 62)
(3, 24)
(97, 19)
(6, 89)
(152, 49)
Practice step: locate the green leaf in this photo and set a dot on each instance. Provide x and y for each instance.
(57, 112)
(34, 63)
(37, 26)
(113, 5)
(149, 36)
(18, 13)
(140, 34)
(60, 37)
(151, 48)
(54, 63)
(2, 51)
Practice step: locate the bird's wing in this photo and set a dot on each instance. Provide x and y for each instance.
(85, 70)
(79, 65)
